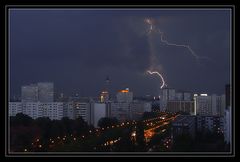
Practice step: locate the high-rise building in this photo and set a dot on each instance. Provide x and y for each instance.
(209, 105)
(203, 105)
(218, 104)
(69, 110)
(45, 92)
(223, 104)
(29, 93)
(214, 100)
(75, 109)
(104, 96)
(120, 110)
(137, 109)
(98, 111)
(107, 85)
(179, 96)
(167, 94)
(42, 92)
(187, 96)
(125, 96)
(181, 106)
(82, 110)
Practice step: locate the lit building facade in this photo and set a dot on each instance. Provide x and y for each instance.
(104, 96)
(82, 110)
(53, 110)
(209, 105)
(125, 96)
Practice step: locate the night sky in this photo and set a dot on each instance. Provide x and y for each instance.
(77, 49)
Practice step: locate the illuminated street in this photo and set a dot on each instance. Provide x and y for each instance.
(153, 124)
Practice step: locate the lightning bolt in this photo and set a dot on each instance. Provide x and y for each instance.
(154, 62)
(153, 59)
(160, 75)
(153, 28)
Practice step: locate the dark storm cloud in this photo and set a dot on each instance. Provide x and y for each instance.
(77, 49)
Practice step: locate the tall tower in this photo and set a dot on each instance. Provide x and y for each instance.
(107, 86)
(105, 94)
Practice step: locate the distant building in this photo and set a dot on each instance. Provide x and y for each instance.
(181, 106)
(222, 105)
(53, 110)
(120, 110)
(69, 110)
(45, 92)
(227, 95)
(42, 92)
(147, 106)
(228, 116)
(128, 111)
(15, 108)
(179, 96)
(210, 123)
(218, 104)
(98, 111)
(184, 124)
(209, 105)
(124, 96)
(76, 109)
(82, 110)
(228, 126)
(187, 96)
(104, 96)
(156, 105)
(167, 94)
(29, 93)
(32, 109)
(170, 94)
(138, 108)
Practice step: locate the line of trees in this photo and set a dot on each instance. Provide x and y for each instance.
(24, 130)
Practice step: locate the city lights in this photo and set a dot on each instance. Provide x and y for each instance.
(126, 81)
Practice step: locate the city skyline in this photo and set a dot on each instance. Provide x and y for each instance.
(77, 49)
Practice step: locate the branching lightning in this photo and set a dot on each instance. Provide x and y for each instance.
(153, 28)
(155, 72)
(154, 69)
